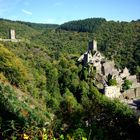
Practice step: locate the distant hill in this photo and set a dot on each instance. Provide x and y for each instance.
(33, 25)
(23, 29)
(39, 26)
(86, 25)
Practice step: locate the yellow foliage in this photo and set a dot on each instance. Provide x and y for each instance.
(83, 138)
(12, 67)
(44, 137)
(3, 78)
(25, 137)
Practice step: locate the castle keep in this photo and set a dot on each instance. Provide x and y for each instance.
(12, 37)
(105, 68)
(12, 34)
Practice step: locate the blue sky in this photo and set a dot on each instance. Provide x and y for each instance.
(60, 11)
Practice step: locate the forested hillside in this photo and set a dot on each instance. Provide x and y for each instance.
(116, 40)
(46, 94)
(87, 25)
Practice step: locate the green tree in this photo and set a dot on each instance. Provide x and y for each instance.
(126, 85)
(112, 82)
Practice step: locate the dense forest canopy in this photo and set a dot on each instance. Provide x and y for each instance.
(87, 25)
(33, 25)
(45, 92)
(116, 40)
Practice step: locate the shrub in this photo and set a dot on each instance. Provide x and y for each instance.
(12, 67)
(126, 85)
(112, 82)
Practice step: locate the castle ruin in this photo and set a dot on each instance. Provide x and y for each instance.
(12, 34)
(12, 37)
(105, 68)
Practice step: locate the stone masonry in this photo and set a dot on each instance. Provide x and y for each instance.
(104, 68)
(12, 34)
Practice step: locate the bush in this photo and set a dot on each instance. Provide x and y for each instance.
(112, 82)
(126, 85)
(12, 67)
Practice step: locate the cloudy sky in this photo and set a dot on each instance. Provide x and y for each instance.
(60, 11)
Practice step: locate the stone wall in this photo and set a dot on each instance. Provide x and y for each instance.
(138, 92)
(105, 67)
(112, 91)
(125, 73)
(129, 94)
(132, 93)
(10, 40)
(133, 79)
(108, 67)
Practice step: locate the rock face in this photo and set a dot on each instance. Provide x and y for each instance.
(106, 68)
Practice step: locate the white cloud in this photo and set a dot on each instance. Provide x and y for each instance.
(26, 12)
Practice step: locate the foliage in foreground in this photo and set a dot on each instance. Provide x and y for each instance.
(80, 111)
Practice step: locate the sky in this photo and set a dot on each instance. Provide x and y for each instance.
(60, 11)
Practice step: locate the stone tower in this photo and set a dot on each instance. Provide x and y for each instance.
(92, 45)
(12, 34)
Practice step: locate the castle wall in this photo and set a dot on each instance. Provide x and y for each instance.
(138, 92)
(125, 73)
(112, 91)
(133, 79)
(129, 94)
(105, 67)
(10, 40)
(108, 67)
(85, 60)
(132, 93)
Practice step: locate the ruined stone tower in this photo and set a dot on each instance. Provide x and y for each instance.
(92, 45)
(12, 34)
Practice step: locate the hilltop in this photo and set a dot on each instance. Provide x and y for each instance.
(45, 91)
